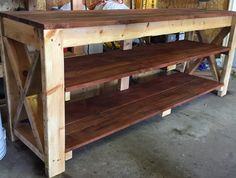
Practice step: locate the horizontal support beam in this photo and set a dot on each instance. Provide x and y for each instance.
(20, 32)
(88, 35)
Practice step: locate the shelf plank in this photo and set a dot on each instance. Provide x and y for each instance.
(25, 134)
(73, 19)
(95, 69)
(95, 118)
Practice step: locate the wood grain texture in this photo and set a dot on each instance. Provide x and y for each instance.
(55, 20)
(228, 62)
(24, 133)
(11, 88)
(100, 34)
(52, 64)
(99, 68)
(20, 32)
(94, 118)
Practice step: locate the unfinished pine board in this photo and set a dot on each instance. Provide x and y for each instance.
(53, 102)
(94, 118)
(228, 62)
(20, 32)
(95, 69)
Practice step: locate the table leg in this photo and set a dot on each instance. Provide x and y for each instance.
(225, 76)
(52, 64)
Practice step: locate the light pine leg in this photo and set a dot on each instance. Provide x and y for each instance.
(52, 63)
(225, 76)
(11, 89)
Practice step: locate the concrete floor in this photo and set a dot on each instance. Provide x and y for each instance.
(198, 140)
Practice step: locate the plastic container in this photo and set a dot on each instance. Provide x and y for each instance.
(3, 145)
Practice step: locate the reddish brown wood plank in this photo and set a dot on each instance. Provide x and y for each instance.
(53, 20)
(91, 70)
(92, 119)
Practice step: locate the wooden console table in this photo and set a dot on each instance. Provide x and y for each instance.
(38, 88)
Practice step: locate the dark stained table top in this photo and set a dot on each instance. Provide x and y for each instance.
(73, 19)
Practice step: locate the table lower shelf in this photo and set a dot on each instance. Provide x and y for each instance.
(95, 118)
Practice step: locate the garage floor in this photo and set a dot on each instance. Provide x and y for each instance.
(198, 140)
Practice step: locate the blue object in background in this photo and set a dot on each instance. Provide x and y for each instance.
(203, 66)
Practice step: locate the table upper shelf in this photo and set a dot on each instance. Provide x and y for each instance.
(95, 69)
(73, 19)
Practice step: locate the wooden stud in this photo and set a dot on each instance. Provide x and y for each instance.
(53, 88)
(166, 113)
(225, 76)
